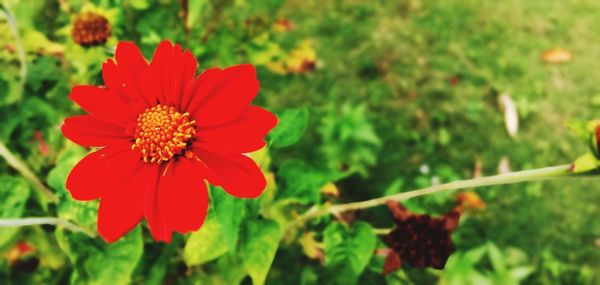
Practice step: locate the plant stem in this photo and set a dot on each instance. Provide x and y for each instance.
(43, 221)
(384, 231)
(509, 178)
(16, 163)
(18, 45)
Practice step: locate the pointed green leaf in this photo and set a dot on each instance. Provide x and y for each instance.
(348, 250)
(302, 182)
(585, 163)
(229, 213)
(205, 244)
(258, 250)
(291, 127)
(97, 262)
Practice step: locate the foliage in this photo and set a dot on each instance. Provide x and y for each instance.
(348, 251)
(373, 98)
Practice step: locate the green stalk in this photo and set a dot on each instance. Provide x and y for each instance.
(18, 45)
(43, 221)
(41, 190)
(508, 178)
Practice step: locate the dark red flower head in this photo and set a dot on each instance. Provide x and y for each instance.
(90, 29)
(419, 240)
(162, 132)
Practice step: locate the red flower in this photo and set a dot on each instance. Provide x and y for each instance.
(162, 132)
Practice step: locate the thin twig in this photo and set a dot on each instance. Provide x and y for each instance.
(509, 178)
(24, 170)
(44, 221)
(382, 231)
(18, 45)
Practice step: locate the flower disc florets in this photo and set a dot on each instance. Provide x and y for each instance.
(162, 133)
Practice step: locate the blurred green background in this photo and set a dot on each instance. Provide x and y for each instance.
(397, 94)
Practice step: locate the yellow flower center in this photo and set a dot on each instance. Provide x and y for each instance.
(162, 133)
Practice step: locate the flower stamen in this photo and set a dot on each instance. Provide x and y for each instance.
(162, 133)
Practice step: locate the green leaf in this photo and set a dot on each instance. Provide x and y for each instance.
(157, 272)
(259, 247)
(97, 262)
(349, 138)
(579, 128)
(231, 270)
(14, 193)
(521, 272)
(11, 89)
(195, 9)
(205, 244)
(348, 250)
(226, 270)
(49, 254)
(302, 181)
(585, 163)
(229, 213)
(291, 127)
(139, 4)
(496, 258)
(44, 69)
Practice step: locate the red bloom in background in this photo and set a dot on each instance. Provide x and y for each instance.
(162, 132)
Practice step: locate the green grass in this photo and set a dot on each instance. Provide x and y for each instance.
(399, 57)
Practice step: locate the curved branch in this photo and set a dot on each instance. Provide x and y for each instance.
(24, 170)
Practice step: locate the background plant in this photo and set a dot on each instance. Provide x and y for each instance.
(374, 99)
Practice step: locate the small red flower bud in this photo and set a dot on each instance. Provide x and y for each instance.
(90, 29)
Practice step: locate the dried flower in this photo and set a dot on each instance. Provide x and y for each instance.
(419, 240)
(90, 29)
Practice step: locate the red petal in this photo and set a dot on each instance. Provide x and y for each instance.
(170, 71)
(124, 78)
(101, 171)
(88, 131)
(130, 59)
(236, 173)
(200, 87)
(160, 63)
(123, 208)
(154, 216)
(152, 88)
(245, 134)
(115, 83)
(183, 197)
(226, 97)
(182, 72)
(102, 103)
(392, 263)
